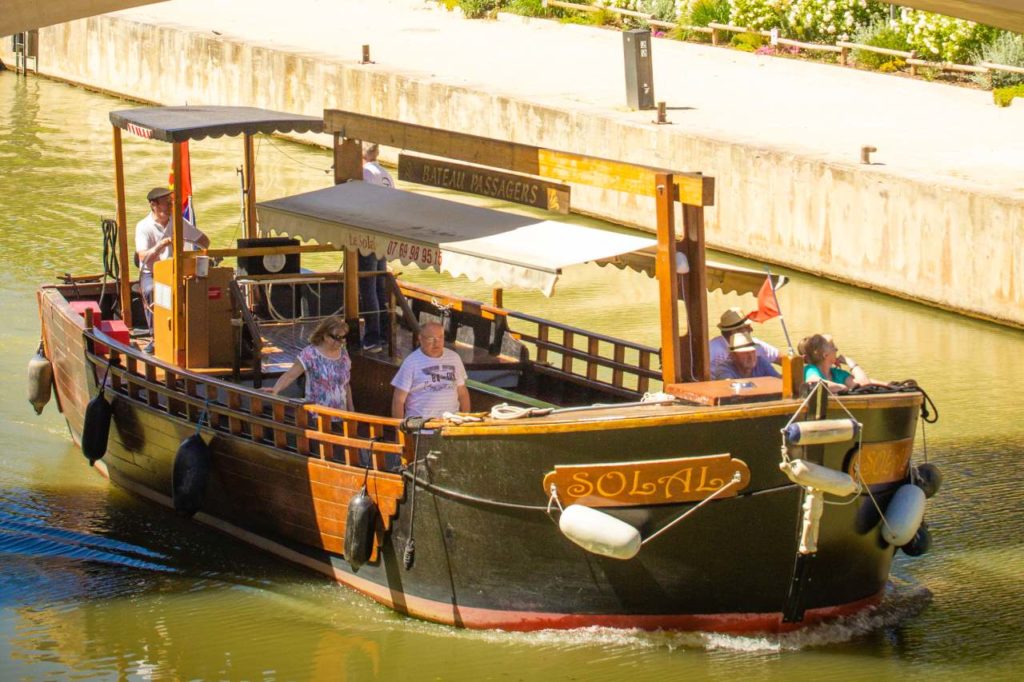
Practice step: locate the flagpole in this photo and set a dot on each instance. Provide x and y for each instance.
(782, 318)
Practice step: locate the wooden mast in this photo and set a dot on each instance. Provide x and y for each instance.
(177, 271)
(696, 287)
(124, 288)
(665, 271)
(250, 188)
(348, 165)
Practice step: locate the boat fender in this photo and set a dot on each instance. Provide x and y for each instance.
(599, 533)
(920, 543)
(822, 431)
(811, 475)
(928, 478)
(903, 516)
(40, 378)
(360, 524)
(191, 471)
(96, 428)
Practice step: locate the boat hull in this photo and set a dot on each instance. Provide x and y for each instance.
(488, 552)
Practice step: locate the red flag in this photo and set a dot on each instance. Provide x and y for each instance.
(767, 306)
(185, 193)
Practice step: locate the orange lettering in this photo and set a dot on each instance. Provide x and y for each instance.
(682, 477)
(581, 485)
(600, 487)
(646, 488)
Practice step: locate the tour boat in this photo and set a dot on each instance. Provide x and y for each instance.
(597, 482)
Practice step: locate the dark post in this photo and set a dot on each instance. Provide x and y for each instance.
(636, 44)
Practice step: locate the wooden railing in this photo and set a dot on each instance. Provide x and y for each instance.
(246, 413)
(842, 47)
(562, 350)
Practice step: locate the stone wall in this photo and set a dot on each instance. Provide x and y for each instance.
(954, 247)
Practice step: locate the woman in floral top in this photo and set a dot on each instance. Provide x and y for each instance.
(327, 367)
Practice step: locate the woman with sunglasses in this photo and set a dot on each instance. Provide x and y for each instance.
(822, 362)
(327, 367)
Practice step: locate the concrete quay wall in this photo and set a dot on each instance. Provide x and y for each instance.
(952, 246)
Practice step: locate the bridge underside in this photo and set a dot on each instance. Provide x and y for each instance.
(23, 15)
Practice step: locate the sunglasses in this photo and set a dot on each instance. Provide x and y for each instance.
(339, 339)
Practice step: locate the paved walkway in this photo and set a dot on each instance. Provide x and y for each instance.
(944, 134)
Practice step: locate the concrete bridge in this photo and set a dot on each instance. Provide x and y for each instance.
(24, 15)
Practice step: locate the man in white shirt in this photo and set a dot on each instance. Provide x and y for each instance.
(372, 293)
(731, 322)
(154, 239)
(431, 380)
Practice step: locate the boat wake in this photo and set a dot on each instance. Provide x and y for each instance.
(29, 537)
(902, 601)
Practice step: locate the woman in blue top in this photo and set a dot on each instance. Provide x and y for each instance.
(822, 362)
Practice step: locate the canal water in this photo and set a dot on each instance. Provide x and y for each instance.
(97, 584)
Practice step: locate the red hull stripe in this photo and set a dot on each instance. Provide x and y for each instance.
(478, 618)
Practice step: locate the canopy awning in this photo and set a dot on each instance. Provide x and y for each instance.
(502, 249)
(177, 124)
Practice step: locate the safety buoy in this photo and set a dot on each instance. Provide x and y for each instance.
(903, 515)
(599, 533)
(813, 475)
(360, 524)
(96, 428)
(191, 471)
(920, 543)
(40, 378)
(822, 431)
(928, 478)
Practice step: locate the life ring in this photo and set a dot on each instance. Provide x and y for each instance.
(96, 428)
(191, 471)
(40, 379)
(360, 524)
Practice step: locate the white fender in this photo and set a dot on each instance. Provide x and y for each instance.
(823, 431)
(599, 533)
(903, 516)
(811, 475)
(40, 377)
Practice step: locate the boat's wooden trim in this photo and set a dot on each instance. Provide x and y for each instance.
(616, 419)
(690, 188)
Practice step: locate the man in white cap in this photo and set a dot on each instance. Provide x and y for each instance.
(733, 321)
(743, 361)
(153, 239)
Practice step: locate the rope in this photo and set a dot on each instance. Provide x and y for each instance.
(205, 414)
(735, 479)
(111, 264)
(506, 411)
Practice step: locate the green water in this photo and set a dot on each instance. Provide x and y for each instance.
(97, 584)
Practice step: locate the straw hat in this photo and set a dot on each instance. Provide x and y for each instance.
(732, 318)
(742, 342)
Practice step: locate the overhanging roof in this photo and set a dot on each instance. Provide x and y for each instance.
(178, 124)
(502, 249)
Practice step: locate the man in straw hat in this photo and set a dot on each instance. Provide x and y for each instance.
(733, 321)
(743, 361)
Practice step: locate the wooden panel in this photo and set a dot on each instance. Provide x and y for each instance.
(728, 391)
(520, 158)
(662, 481)
(885, 462)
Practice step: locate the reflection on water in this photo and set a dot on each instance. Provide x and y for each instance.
(98, 584)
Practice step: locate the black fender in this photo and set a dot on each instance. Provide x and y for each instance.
(96, 428)
(191, 472)
(360, 524)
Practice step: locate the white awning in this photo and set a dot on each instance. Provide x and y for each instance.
(502, 249)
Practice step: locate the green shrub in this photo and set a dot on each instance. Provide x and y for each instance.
(748, 42)
(879, 34)
(939, 38)
(475, 9)
(528, 8)
(664, 10)
(892, 66)
(1006, 49)
(1003, 97)
(704, 12)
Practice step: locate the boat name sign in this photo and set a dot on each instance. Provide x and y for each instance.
(661, 481)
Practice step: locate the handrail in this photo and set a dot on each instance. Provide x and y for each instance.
(563, 343)
(242, 412)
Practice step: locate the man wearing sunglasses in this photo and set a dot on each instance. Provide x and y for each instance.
(431, 380)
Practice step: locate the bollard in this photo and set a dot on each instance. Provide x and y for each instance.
(662, 119)
(865, 154)
(366, 55)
